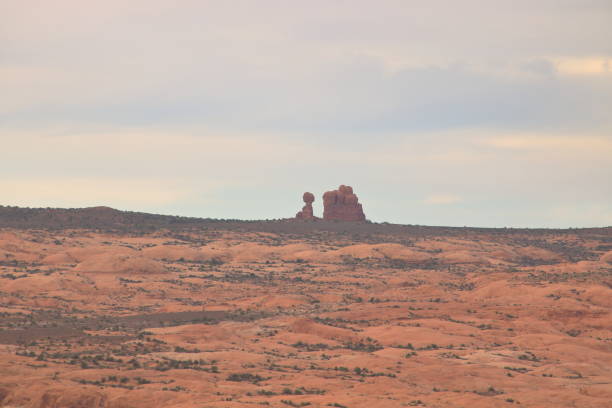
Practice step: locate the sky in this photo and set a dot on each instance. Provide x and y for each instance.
(486, 113)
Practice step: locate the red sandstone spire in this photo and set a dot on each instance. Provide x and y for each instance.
(307, 212)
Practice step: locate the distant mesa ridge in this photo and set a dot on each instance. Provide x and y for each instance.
(113, 220)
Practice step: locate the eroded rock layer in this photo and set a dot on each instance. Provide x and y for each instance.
(342, 205)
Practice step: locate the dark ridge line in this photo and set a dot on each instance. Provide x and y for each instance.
(106, 218)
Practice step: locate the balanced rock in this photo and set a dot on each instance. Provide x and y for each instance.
(342, 205)
(307, 212)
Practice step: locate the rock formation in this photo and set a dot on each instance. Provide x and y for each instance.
(342, 205)
(307, 212)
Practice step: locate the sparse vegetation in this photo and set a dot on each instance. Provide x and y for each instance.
(278, 314)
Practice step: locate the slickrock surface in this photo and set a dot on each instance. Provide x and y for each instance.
(211, 317)
(342, 205)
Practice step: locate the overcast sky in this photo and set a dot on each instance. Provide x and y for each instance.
(437, 112)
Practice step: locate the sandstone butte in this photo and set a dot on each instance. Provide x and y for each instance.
(342, 205)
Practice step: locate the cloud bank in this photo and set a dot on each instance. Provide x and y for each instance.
(441, 112)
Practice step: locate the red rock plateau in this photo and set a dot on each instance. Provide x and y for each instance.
(342, 205)
(134, 310)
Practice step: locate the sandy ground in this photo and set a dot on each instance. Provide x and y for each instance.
(242, 319)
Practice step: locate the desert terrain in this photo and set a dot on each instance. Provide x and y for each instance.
(101, 308)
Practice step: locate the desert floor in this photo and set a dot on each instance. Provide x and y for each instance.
(212, 318)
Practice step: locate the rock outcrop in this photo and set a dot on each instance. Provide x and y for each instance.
(342, 205)
(307, 212)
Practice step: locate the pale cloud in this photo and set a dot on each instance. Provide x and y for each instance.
(442, 199)
(584, 66)
(572, 144)
(155, 144)
(232, 109)
(124, 193)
